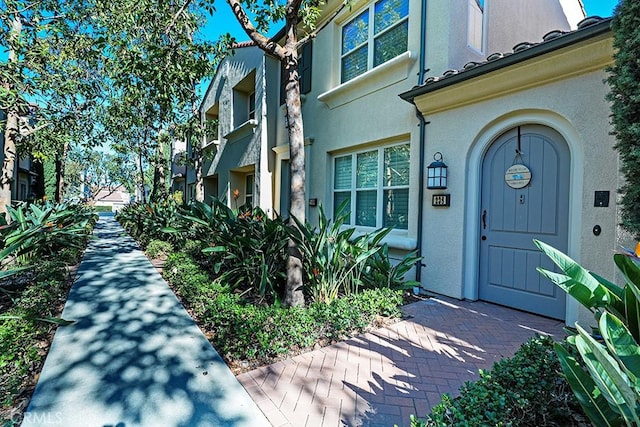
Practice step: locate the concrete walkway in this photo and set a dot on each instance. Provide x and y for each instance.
(380, 378)
(133, 357)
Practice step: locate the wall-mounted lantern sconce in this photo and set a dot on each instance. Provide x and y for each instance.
(437, 173)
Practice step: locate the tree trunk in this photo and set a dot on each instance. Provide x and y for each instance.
(199, 184)
(288, 54)
(159, 191)
(61, 161)
(142, 189)
(293, 290)
(12, 126)
(9, 164)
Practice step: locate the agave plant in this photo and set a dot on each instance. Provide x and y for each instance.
(604, 373)
(149, 221)
(42, 230)
(246, 248)
(334, 260)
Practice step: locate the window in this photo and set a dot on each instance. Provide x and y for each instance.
(476, 24)
(376, 182)
(252, 105)
(305, 56)
(244, 100)
(249, 181)
(211, 126)
(366, 46)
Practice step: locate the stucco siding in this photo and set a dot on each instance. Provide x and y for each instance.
(574, 107)
(243, 143)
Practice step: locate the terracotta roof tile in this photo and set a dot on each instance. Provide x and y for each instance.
(520, 47)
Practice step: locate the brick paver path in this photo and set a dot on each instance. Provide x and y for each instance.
(382, 377)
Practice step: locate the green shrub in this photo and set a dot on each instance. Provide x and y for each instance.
(103, 208)
(247, 331)
(246, 248)
(157, 248)
(21, 333)
(193, 284)
(355, 312)
(149, 221)
(381, 272)
(336, 262)
(525, 390)
(41, 230)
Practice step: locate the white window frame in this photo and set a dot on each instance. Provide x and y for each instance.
(379, 188)
(371, 37)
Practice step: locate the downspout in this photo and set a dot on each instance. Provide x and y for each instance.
(422, 125)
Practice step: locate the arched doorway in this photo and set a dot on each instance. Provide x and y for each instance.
(514, 213)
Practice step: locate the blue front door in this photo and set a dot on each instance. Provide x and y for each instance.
(510, 218)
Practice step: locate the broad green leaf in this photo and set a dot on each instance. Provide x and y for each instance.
(632, 312)
(577, 290)
(584, 388)
(613, 288)
(611, 380)
(601, 295)
(630, 270)
(11, 272)
(214, 249)
(621, 344)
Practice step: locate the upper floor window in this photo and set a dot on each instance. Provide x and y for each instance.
(365, 46)
(476, 24)
(244, 100)
(376, 182)
(252, 105)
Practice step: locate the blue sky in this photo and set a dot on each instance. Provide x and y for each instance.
(603, 8)
(223, 21)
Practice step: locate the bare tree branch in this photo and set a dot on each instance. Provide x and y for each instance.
(293, 9)
(175, 17)
(31, 131)
(259, 39)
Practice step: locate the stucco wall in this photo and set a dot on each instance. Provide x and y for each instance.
(574, 107)
(242, 145)
(529, 20)
(367, 110)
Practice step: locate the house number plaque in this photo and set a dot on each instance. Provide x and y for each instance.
(517, 176)
(441, 200)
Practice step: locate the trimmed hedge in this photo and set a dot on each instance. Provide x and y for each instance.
(525, 390)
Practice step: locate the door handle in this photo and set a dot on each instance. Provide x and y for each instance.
(484, 219)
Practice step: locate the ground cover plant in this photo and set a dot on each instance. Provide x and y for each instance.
(248, 334)
(524, 390)
(39, 244)
(230, 274)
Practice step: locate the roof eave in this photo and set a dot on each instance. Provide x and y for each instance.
(514, 58)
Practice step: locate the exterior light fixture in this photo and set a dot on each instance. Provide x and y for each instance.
(437, 173)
